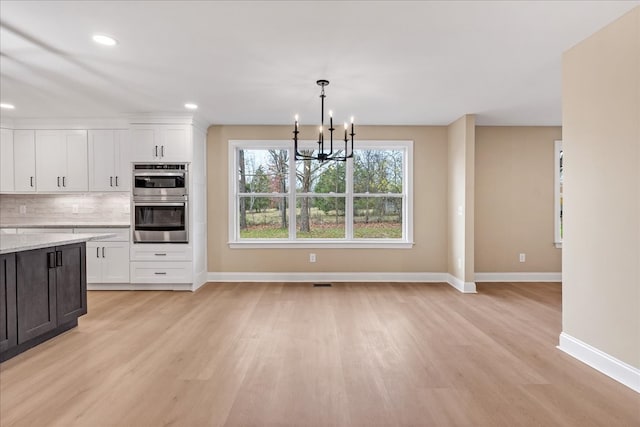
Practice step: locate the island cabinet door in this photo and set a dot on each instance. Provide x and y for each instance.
(71, 282)
(8, 312)
(36, 292)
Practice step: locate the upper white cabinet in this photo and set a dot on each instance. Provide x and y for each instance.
(6, 160)
(161, 143)
(109, 160)
(61, 160)
(24, 157)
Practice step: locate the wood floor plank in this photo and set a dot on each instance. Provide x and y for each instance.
(289, 354)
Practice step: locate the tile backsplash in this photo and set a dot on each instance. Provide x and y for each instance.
(80, 207)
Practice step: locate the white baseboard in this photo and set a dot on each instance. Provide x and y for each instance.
(601, 361)
(461, 285)
(466, 287)
(518, 277)
(327, 277)
(139, 287)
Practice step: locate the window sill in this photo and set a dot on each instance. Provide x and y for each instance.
(318, 244)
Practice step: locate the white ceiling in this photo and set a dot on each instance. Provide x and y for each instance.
(389, 62)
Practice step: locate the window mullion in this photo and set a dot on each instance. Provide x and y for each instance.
(348, 220)
(292, 194)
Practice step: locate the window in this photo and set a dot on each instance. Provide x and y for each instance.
(558, 193)
(276, 201)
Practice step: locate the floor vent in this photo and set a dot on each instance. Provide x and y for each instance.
(322, 285)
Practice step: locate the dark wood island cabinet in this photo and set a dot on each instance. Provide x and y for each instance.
(43, 292)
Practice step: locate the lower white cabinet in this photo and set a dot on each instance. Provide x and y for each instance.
(107, 259)
(161, 263)
(161, 272)
(107, 262)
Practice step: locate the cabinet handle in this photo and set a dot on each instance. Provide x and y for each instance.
(58, 181)
(31, 181)
(111, 181)
(160, 273)
(51, 260)
(63, 183)
(116, 181)
(162, 151)
(58, 258)
(160, 254)
(103, 252)
(97, 252)
(156, 151)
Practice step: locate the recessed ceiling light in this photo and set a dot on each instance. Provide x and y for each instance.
(104, 40)
(190, 106)
(7, 106)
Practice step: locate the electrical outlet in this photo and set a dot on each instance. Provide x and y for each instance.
(75, 208)
(23, 209)
(523, 257)
(312, 257)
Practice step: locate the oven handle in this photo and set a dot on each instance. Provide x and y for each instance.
(159, 204)
(158, 173)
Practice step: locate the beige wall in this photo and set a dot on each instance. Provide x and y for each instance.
(515, 199)
(430, 209)
(461, 149)
(601, 134)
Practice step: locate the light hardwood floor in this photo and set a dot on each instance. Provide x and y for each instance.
(253, 354)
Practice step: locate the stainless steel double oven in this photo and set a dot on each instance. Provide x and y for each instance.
(160, 203)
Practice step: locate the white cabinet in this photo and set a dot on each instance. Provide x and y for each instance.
(24, 157)
(61, 160)
(107, 259)
(109, 160)
(161, 263)
(6, 160)
(161, 143)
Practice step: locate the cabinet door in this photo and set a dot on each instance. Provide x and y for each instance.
(6, 160)
(145, 143)
(35, 292)
(76, 174)
(24, 156)
(51, 159)
(115, 263)
(102, 157)
(8, 312)
(175, 143)
(94, 263)
(123, 168)
(71, 282)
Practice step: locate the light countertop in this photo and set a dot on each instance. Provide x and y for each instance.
(23, 242)
(75, 224)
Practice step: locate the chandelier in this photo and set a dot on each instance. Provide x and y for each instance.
(323, 155)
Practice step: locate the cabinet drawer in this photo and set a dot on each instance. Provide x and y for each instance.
(121, 234)
(161, 252)
(161, 272)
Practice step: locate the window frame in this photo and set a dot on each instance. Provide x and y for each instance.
(234, 240)
(558, 194)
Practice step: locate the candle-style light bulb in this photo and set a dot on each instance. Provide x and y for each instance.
(345, 131)
(351, 119)
(330, 113)
(296, 117)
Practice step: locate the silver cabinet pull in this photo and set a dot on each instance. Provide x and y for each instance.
(111, 181)
(103, 252)
(97, 252)
(116, 181)
(156, 151)
(31, 181)
(160, 254)
(160, 273)
(162, 151)
(63, 183)
(58, 181)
